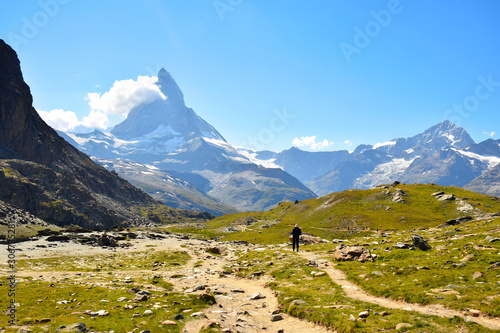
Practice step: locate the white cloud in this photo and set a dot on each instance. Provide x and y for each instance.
(489, 133)
(124, 95)
(347, 142)
(310, 141)
(59, 119)
(95, 119)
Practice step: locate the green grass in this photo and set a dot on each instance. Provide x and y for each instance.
(403, 277)
(158, 260)
(319, 300)
(41, 299)
(349, 213)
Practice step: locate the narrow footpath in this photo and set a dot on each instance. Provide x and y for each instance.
(355, 292)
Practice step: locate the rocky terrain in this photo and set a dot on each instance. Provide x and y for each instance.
(245, 281)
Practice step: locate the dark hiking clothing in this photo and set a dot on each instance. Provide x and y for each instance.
(296, 232)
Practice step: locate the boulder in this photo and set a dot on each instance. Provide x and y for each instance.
(363, 314)
(79, 327)
(459, 220)
(446, 197)
(475, 313)
(276, 317)
(400, 245)
(420, 242)
(256, 296)
(308, 239)
(350, 253)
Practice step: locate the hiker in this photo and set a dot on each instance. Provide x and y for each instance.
(296, 232)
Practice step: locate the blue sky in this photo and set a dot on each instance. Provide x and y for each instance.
(267, 74)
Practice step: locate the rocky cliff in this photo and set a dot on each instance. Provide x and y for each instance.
(43, 174)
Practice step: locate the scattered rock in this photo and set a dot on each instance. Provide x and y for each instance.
(199, 315)
(237, 290)
(105, 240)
(214, 250)
(297, 302)
(168, 322)
(400, 245)
(467, 257)
(446, 197)
(420, 242)
(58, 238)
(477, 275)
(311, 263)
(483, 247)
(459, 220)
(318, 274)
(256, 296)
(352, 318)
(179, 317)
(79, 327)
(349, 253)
(310, 239)
(148, 313)
(464, 207)
(398, 196)
(141, 298)
(474, 313)
(363, 314)
(276, 317)
(210, 324)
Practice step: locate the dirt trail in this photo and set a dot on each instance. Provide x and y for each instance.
(355, 292)
(234, 310)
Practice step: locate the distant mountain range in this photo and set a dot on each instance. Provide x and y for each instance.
(167, 150)
(444, 154)
(176, 157)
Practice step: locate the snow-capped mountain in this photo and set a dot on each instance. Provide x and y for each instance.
(174, 139)
(166, 187)
(444, 154)
(445, 134)
(303, 165)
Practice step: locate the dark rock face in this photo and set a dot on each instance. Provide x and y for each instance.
(43, 174)
(420, 242)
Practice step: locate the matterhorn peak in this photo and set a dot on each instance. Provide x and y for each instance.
(169, 87)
